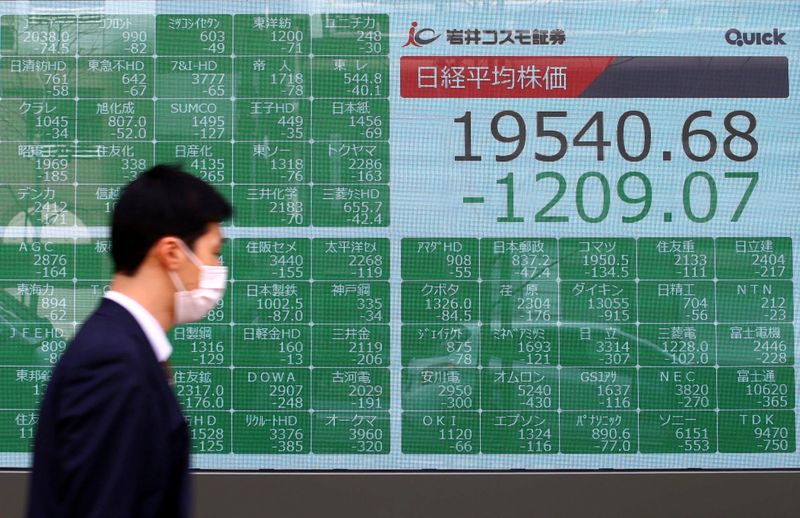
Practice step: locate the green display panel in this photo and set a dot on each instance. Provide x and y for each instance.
(250, 103)
(476, 237)
(592, 364)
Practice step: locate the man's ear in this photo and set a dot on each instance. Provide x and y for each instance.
(167, 252)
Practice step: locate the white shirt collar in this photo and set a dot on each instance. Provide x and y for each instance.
(152, 329)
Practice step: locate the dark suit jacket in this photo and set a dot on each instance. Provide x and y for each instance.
(111, 441)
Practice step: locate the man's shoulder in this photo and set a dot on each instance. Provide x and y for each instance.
(109, 333)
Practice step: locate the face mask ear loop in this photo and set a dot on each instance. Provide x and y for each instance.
(176, 280)
(191, 255)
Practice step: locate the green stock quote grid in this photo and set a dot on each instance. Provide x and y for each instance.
(252, 104)
(288, 116)
(530, 346)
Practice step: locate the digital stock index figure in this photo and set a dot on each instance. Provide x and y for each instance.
(534, 236)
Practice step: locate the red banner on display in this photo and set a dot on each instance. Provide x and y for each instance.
(498, 76)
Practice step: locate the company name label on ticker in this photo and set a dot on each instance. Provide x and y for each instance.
(739, 38)
(419, 36)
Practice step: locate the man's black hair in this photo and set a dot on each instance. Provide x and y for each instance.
(162, 201)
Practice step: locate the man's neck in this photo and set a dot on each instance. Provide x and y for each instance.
(146, 294)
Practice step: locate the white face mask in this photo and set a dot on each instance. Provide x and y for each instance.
(193, 305)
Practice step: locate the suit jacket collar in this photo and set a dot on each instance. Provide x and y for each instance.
(124, 318)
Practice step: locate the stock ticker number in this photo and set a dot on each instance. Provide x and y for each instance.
(633, 140)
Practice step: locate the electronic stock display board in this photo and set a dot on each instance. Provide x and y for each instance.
(468, 235)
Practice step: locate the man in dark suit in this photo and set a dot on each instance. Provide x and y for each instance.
(112, 441)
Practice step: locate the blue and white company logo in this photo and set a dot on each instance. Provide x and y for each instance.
(739, 38)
